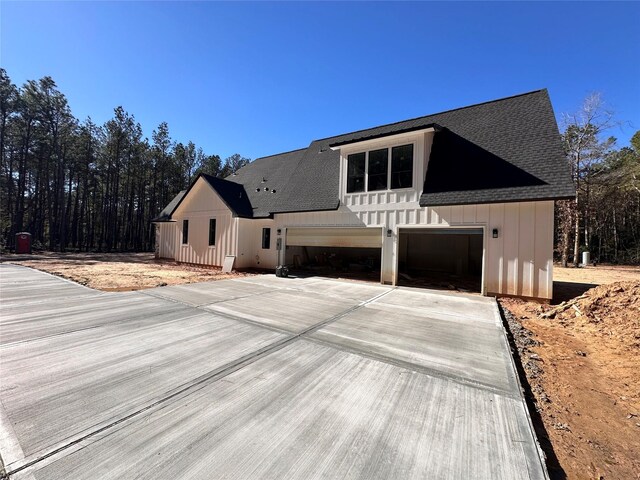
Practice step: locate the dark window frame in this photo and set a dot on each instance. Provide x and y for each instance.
(395, 178)
(356, 181)
(375, 181)
(266, 238)
(185, 231)
(212, 232)
(396, 175)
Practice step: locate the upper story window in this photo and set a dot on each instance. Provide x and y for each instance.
(382, 169)
(355, 172)
(402, 166)
(378, 170)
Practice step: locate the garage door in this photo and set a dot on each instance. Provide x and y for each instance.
(448, 258)
(334, 237)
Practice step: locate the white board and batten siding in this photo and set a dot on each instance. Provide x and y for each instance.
(250, 253)
(166, 239)
(518, 262)
(201, 205)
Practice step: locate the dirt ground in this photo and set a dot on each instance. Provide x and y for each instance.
(115, 272)
(571, 282)
(596, 275)
(581, 357)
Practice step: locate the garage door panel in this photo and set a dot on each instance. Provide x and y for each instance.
(335, 237)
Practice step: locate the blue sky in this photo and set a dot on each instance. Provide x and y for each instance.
(262, 78)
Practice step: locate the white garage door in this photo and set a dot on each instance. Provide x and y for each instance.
(334, 237)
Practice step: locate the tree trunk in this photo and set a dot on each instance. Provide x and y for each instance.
(576, 240)
(615, 235)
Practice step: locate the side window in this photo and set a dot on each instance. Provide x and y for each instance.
(377, 170)
(185, 232)
(212, 232)
(266, 238)
(355, 172)
(402, 166)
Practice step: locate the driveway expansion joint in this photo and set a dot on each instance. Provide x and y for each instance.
(199, 382)
(431, 372)
(200, 305)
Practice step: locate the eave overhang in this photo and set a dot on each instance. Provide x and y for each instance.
(398, 133)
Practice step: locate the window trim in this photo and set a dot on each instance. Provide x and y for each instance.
(215, 231)
(389, 147)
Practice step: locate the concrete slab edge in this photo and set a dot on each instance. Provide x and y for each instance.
(512, 362)
(11, 450)
(57, 277)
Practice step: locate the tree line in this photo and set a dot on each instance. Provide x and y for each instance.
(604, 216)
(76, 185)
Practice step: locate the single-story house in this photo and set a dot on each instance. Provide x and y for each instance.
(463, 194)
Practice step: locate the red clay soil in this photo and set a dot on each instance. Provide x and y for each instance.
(119, 271)
(582, 362)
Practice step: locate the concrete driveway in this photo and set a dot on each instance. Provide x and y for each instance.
(259, 377)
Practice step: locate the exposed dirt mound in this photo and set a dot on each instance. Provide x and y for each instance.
(581, 360)
(612, 310)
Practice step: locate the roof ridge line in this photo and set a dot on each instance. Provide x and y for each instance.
(208, 175)
(433, 114)
(281, 153)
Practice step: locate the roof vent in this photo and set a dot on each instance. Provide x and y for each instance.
(273, 191)
(266, 189)
(264, 179)
(257, 189)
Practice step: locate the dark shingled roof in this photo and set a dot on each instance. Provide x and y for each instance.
(506, 150)
(231, 193)
(165, 214)
(291, 181)
(502, 151)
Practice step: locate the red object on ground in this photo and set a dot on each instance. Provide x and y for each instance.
(23, 242)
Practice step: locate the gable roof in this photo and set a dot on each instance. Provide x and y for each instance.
(502, 151)
(505, 150)
(232, 194)
(165, 214)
